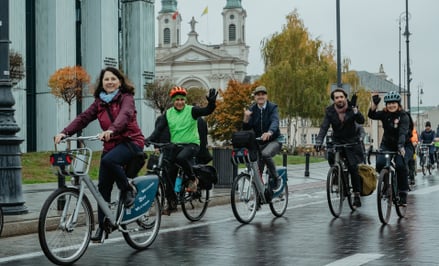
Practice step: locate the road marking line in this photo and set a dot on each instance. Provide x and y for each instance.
(424, 191)
(357, 259)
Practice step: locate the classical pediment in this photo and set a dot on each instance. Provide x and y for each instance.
(192, 54)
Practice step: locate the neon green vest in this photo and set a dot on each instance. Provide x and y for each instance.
(182, 126)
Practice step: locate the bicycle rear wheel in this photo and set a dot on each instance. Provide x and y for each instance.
(244, 198)
(141, 233)
(384, 196)
(62, 239)
(194, 204)
(334, 190)
(348, 191)
(279, 203)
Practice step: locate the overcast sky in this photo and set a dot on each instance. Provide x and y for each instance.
(369, 33)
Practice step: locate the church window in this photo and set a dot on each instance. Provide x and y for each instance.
(232, 32)
(166, 36)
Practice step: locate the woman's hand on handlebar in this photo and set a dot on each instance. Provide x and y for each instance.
(57, 139)
(106, 135)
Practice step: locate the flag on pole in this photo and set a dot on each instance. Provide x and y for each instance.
(174, 16)
(206, 9)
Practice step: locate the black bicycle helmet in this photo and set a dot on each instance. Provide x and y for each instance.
(392, 96)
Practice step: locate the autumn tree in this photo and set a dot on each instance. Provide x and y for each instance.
(16, 67)
(67, 84)
(298, 70)
(157, 95)
(227, 117)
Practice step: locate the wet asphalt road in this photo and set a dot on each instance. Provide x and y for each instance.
(306, 235)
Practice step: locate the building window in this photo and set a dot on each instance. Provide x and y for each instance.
(303, 139)
(313, 138)
(232, 32)
(166, 36)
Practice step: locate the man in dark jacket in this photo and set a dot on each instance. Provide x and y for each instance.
(263, 119)
(427, 138)
(343, 116)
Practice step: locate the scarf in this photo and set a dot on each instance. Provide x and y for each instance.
(341, 112)
(107, 97)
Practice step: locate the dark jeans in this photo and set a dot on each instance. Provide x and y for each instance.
(111, 171)
(401, 165)
(183, 155)
(354, 155)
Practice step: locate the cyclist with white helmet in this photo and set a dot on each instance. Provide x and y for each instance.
(396, 137)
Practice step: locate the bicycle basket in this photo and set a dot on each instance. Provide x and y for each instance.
(72, 162)
(244, 139)
(423, 149)
(243, 155)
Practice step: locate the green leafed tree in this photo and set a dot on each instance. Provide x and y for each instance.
(298, 71)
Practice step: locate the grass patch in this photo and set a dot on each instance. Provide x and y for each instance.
(36, 167)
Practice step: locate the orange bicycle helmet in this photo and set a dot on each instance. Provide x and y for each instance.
(177, 91)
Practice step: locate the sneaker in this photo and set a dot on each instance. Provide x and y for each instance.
(278, 184)
(412, 182)
(192, 186)
(169, 208)
(403, 198)
(130, 197)
(357, 201)
(99, 236)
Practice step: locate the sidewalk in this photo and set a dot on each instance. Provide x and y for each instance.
(35, 195)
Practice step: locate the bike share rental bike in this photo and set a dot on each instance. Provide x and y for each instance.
(67, 218)
(252, 187)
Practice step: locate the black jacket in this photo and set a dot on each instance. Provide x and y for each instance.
(342, 132)
(396, 128)
(269, 117)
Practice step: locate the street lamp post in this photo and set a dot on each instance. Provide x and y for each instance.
(11, 195)
(409, 72)
(420, 93)
(339, 82)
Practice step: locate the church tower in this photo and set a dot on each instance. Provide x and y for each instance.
(169, 25)
(234, 23)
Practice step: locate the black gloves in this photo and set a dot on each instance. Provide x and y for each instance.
(212, 95)
(354, 100)
(376, 99)
(318, 147)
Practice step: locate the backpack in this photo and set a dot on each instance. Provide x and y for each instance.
(369, 179)
(411, 125)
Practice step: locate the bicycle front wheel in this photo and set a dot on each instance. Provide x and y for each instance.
(244, 198)
(384, 196)
(141, 233)
(63, 229)
(194, 204)
(334, 190)
(279, 204)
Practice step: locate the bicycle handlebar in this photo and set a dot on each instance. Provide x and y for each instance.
(83, 138)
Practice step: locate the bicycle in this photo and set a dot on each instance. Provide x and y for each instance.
(424, 155)
(387, 189)
(252, 188)
(338, 181)
(193, 203)
(67, 220)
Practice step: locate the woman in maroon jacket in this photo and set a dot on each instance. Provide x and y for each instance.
(115, 110)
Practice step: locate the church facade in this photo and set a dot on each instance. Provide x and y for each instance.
(196, 65)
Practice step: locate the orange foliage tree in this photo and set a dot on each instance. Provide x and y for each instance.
(227, 117)
(67, 83)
